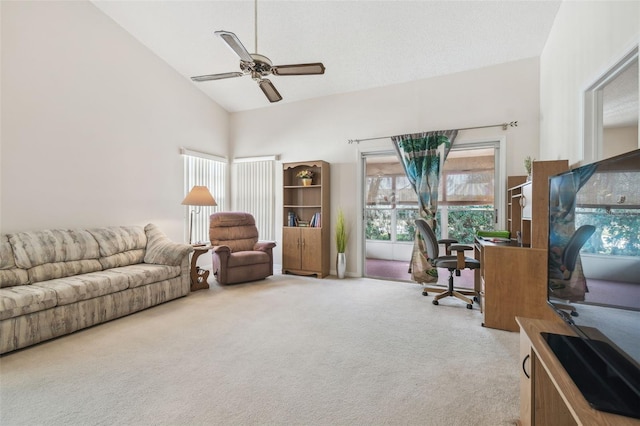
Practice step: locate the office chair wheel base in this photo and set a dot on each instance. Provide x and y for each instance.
(425, 293)
(475, 299)
(469, 306)
(574, 313)
(435, 302)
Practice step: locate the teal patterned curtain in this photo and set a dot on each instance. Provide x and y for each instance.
(422, 156)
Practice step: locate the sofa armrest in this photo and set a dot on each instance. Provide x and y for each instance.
(221, 250)
(161, 250)
(220, 256)
(264, 245)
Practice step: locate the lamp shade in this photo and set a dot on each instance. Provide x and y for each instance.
(199, 196)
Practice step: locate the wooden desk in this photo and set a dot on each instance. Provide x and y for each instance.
(511, 281)
(549, 396)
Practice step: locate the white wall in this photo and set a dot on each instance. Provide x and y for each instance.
(320, 128)
(92, 123)
(618, 140)
(587, 39)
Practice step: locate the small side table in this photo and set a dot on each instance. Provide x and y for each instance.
(198, 275)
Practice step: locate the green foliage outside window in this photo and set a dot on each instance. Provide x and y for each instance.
(378, 224)
(405, 224)
(465, 221)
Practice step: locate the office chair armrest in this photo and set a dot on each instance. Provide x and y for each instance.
(460, 247)
(447, 244)
(460, 257)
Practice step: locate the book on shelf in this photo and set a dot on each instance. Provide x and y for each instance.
(316, 220)
(292, 219)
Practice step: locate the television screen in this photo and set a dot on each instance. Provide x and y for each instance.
(594, 270)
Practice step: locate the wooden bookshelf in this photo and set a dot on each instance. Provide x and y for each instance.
(528, 203)
(306, 249)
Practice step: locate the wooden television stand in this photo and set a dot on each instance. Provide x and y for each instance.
(548, 396)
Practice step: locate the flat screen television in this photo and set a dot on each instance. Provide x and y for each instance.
(594, 279)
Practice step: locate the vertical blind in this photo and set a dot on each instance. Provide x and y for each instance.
(206, 170)
(254, 192)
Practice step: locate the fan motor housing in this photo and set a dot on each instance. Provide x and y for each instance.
(261, 65)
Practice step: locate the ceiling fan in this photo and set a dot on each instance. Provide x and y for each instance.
(259, 66)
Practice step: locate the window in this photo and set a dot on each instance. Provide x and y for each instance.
(465, 200)
(206, 170)
(391, 208)
(466, 194)
(254, 192)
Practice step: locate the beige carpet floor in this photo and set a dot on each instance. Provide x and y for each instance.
(284, 351)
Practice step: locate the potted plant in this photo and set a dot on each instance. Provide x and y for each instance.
(305, 176)
(528, 165)
(341, 244)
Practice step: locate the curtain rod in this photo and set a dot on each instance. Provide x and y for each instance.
(503, 125)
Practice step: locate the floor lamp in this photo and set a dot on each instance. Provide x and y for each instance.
(198, 196)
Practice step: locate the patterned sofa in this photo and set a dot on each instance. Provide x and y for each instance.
(54, 282)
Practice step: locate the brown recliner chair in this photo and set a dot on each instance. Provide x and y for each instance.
(237, 255)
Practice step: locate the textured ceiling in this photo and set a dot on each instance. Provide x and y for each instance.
(363, 44)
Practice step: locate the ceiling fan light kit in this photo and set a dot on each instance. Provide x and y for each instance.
(259, 66)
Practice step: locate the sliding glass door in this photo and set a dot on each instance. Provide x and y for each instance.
(467, 202)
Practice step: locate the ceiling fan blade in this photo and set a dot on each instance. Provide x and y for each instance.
(217, 76)
(269, 90)
(234, 44)
(299, 69)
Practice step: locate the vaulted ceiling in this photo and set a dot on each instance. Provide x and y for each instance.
(363, 44)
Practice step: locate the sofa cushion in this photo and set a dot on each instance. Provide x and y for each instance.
(24, 299)
(244, 258)
(143, 274)
(120, 245)
(53, 245)
(130, 257)
(86, 286)
(10, 275)
(50, 271)
(161, 250)
(70, 251)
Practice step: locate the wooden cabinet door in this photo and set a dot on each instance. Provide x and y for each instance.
(311, 249)
(526, 382)
(291, 246)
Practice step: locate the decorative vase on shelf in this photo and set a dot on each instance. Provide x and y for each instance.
(306, 182)
(341, 264)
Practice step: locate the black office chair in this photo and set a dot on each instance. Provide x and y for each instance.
(558, 277)
(453, 263)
